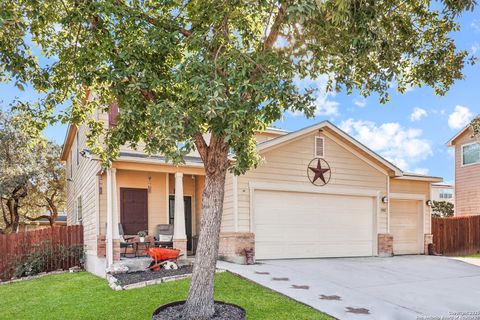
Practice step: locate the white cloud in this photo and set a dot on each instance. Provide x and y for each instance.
(325, 105)
(475, 25)
(404, 147)
(417, 114)
(459, 118)
(360, 102)
(420, 170)
(475, 47)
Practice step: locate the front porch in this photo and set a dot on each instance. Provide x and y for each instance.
(139, 197)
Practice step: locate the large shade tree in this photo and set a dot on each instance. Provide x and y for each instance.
(17, 169)
(46, 195)
(180, 69)
(475, 127)
(32, 177)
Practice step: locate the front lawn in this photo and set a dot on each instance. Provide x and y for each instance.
(475, 255)
(84, 296)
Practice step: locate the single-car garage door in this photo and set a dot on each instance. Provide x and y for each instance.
(404, 226)
(311, 225)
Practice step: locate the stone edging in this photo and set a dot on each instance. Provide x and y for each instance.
(40, 275)
(113, 282)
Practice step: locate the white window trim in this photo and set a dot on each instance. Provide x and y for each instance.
(461, 155)
(323, 147)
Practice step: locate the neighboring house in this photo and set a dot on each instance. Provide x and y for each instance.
(369, 207)
(467, 173)
(443, 192)
(61, 220)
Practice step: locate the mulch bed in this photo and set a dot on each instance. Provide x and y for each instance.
(223, 311)
(140, 276)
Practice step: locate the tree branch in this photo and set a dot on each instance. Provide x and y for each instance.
(154, 21)
(202, 146)
(276, 26)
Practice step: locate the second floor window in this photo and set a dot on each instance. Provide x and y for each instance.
(446, 194)
(471, 153)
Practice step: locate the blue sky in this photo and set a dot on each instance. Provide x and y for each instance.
(411, 130)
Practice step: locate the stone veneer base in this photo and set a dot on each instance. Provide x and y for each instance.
(233, 245)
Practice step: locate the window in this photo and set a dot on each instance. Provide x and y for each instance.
(470, 153)
(319, 147)
(446, 194)
(79, 209)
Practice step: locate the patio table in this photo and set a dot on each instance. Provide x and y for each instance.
(146, 245)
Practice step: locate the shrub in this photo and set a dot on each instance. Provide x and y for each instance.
(43, 258)
(442, 209)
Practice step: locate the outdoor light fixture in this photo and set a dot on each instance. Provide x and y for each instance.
(429, 203)
(385, 199)
(86, 154)
(149, 184)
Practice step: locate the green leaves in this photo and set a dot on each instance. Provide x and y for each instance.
(180, 68)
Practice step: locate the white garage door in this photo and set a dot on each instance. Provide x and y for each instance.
(404, 226)
(308, 225)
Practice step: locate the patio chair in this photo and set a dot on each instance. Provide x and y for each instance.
(164, 237)
(125, 242)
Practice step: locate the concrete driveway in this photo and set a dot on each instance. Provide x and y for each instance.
(403, 287)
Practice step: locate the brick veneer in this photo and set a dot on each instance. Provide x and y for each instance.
(385, 245)
(101, 246)
(233, 244)
(428, 238)
(182, 246)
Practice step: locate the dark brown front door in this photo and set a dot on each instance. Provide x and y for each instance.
(133, 210)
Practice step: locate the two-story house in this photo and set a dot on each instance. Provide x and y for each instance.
(467, 172)
(318, 193)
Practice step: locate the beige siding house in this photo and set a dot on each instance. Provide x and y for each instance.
(443, 192)
(467, 173)
(366, 207)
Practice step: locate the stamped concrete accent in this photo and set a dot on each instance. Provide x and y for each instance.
(358, 310)
(332, 297)
(401, 287)
(295, 286)
(280, 279)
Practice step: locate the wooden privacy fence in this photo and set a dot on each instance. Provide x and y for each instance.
(456, 236)
(41, 250)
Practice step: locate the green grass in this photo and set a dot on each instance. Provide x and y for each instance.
(85, 296)
(475, 255)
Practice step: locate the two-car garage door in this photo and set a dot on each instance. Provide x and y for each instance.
(311, 225)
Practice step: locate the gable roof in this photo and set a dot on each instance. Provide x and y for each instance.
(263, 146)
(459, 133)
(67, 143)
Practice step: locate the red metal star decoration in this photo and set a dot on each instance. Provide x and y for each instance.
(319, 171)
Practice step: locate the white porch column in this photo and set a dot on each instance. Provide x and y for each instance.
(179, 231)
(116, 212)
(109, 235)
(112, 218)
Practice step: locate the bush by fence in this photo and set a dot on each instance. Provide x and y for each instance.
(43, 250)
(456, 236)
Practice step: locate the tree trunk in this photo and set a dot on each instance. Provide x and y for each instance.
(12, 204)
(200, 302)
